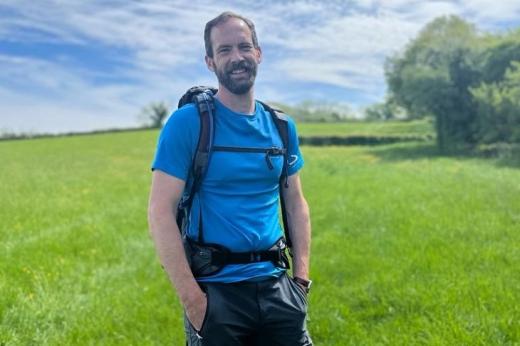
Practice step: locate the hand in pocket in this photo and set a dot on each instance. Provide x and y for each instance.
(196, 311)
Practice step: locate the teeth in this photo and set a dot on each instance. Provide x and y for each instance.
(238, 71)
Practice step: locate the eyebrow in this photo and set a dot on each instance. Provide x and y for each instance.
(224, 46)
(240, 44)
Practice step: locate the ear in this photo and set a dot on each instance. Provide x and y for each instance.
(210, 63)
(259, 54)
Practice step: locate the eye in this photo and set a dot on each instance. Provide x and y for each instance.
(246, 47)
(223, 50)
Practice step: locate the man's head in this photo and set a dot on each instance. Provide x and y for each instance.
(232, 51)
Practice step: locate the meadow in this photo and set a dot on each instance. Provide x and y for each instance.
(418, 128)
(409, 247)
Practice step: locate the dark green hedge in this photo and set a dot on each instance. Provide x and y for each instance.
(359, 140)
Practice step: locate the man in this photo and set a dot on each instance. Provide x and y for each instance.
(236, 206)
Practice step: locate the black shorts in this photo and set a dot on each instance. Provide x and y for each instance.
(270, 312)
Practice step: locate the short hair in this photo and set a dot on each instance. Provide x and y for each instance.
(222, 18)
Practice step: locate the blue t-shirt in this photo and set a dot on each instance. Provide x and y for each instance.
(238, 198)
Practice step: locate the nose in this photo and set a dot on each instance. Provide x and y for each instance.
(236, 55)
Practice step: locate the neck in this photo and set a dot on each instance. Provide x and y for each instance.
(244, 103)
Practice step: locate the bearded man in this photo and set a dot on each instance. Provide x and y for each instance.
(236, 206)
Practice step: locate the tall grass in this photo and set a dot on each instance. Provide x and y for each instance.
(407, 248)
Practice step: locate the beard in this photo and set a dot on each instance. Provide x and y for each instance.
(238, 86)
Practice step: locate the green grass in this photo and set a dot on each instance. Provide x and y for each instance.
(420, 128)
(413, 251)
(409, 248)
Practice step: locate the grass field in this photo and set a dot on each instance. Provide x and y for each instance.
(419, 128)
(409, 248)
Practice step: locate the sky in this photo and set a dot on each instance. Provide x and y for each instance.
(81, 65)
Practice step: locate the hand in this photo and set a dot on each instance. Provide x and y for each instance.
(304, 284)
(304, 289)
(196, 309)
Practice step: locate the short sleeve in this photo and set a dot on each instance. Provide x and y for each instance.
(295, 158)
(177, 143)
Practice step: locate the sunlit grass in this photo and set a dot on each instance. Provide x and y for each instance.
(412, 251)
(418, 128)
(407, 248)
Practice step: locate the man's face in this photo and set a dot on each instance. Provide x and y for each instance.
(235, 59)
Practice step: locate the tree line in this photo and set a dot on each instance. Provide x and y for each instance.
(467, 80)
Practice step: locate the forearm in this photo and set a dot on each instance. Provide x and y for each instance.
(300, 229)
(168, 244)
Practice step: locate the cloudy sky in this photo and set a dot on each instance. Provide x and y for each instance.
(77, 65)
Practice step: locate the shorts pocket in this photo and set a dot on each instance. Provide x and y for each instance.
(298, 289)
(206, 315)
(200, 332)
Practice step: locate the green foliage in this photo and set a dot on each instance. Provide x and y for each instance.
(499, 52)
(405, 250)
(418, 78)
(433, 76)
(498, 105)
(468, 82)
(384, 111)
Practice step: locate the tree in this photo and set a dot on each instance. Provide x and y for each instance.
(155, 114)
(433, 76)
(497, 97)
(498, 108)
(384, 111)
(499, 53)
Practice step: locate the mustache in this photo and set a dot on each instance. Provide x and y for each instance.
(244, 64)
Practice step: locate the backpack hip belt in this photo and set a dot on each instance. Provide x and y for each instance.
(209, 259)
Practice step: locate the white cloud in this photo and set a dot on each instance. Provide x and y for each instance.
(24, 113)
(55, 100)
(422, 12)
(46, 96)
(345, 51)
(491, 10)
(341, 44)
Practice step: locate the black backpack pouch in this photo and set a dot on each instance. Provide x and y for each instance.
(204, 259)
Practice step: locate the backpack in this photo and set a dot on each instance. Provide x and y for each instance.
(202, 97)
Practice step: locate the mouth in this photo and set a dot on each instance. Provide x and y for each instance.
(238, 71)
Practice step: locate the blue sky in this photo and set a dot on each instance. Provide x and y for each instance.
(78, 65)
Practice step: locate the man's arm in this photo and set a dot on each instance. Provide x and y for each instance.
(299, 226)
(165, 194)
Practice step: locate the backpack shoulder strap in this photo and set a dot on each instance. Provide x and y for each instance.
(206, 107)
(202, 97)
(281, 122)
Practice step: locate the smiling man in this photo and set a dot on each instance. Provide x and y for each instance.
(249, 299)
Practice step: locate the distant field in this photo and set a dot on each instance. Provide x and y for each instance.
(360, 128)
(409, 248)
